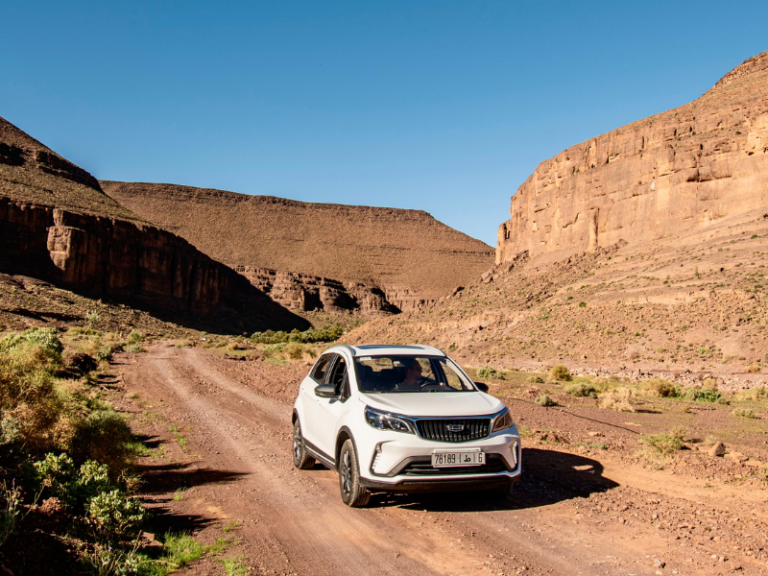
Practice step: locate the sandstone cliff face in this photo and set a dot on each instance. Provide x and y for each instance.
(304, 293)
(407, 254)
(57, 225)
(683, 169)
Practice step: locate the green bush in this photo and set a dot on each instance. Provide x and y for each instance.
(665, 443)
(701, 395)
(46, 339)
(545, 400)
(115, 514)
(581, 390)
(103, 436)
(312, 335)
(560, 372)
(535, 379)
(486, 372)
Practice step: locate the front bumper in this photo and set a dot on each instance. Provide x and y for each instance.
(403, 463)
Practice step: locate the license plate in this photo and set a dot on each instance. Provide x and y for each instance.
(453, 459)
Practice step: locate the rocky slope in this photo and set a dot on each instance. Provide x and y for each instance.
(405, 254)
(56, 224)
(601, 272)
(685, 169)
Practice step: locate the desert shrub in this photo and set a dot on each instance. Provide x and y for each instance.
(27, 393)
(56, 473)
(535, 379)
(756, 394)
(581, 390)
(312, 335)
(753, 369)
(545, 400)
(709, 384)
(701, 395)
(294, 350)
(618, 399)
(135, 342)
(103, 436)
(659, 387)
(115, 514)
(486, 372)
(560, 372)
(744, 413)
(81, 363)
(665, 443)
(45, 340)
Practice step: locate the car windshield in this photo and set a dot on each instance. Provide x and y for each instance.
(395, 374)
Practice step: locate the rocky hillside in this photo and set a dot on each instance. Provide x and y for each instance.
(640, 251)
(406, 254)
(685, 169)
(57, 225)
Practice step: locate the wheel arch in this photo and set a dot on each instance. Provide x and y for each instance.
(343, 435)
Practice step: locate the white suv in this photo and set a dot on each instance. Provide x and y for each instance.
(402, 419)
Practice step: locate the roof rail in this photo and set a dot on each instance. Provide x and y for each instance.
(346, 347)
(430, 349)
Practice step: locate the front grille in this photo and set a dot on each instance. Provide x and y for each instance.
(423, 467)
(471, 429)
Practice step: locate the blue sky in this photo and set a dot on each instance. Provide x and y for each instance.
(435, 105)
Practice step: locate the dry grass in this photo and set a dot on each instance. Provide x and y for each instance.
(618, 399)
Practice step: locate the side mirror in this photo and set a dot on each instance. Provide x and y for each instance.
(325, 391)
(480, 386)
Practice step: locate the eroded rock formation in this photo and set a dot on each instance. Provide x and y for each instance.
(685, 168)
(57, 225)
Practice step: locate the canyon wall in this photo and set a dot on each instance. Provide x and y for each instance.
(689, 167)
(57, 225)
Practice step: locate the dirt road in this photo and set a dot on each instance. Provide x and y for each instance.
(222, 434)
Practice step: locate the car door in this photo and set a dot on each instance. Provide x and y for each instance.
(330, 410)
(312, 420)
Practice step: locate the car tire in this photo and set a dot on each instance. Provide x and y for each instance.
(352, 493)
(301, 459)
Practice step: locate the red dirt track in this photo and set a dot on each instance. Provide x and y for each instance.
(569, 515)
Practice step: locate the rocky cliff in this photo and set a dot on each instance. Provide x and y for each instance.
(57, 225)
(406, 254)
(684, 169)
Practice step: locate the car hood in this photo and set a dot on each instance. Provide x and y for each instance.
(435, 403)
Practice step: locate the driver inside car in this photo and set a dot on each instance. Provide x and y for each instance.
(414, 379)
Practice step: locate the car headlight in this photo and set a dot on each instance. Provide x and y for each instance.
(502, 421)
(386, 421)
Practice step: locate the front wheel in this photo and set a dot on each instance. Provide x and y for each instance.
(301, 459)
(352, 493)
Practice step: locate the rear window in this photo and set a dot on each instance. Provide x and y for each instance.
(318, 372)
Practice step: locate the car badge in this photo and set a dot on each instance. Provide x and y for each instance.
(455, 428)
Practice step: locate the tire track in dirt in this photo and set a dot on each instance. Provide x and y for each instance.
(295, 519)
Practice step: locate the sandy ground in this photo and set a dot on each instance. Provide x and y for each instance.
(222, 436)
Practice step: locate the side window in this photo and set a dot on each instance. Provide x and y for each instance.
(340, 379)
(318, 373)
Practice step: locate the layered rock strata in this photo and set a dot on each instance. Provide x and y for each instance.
(57, 225)
(408, 254)
(683, 169)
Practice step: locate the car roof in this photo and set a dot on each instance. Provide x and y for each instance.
(388, 349)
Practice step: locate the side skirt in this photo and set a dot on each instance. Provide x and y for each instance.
(318, 454)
